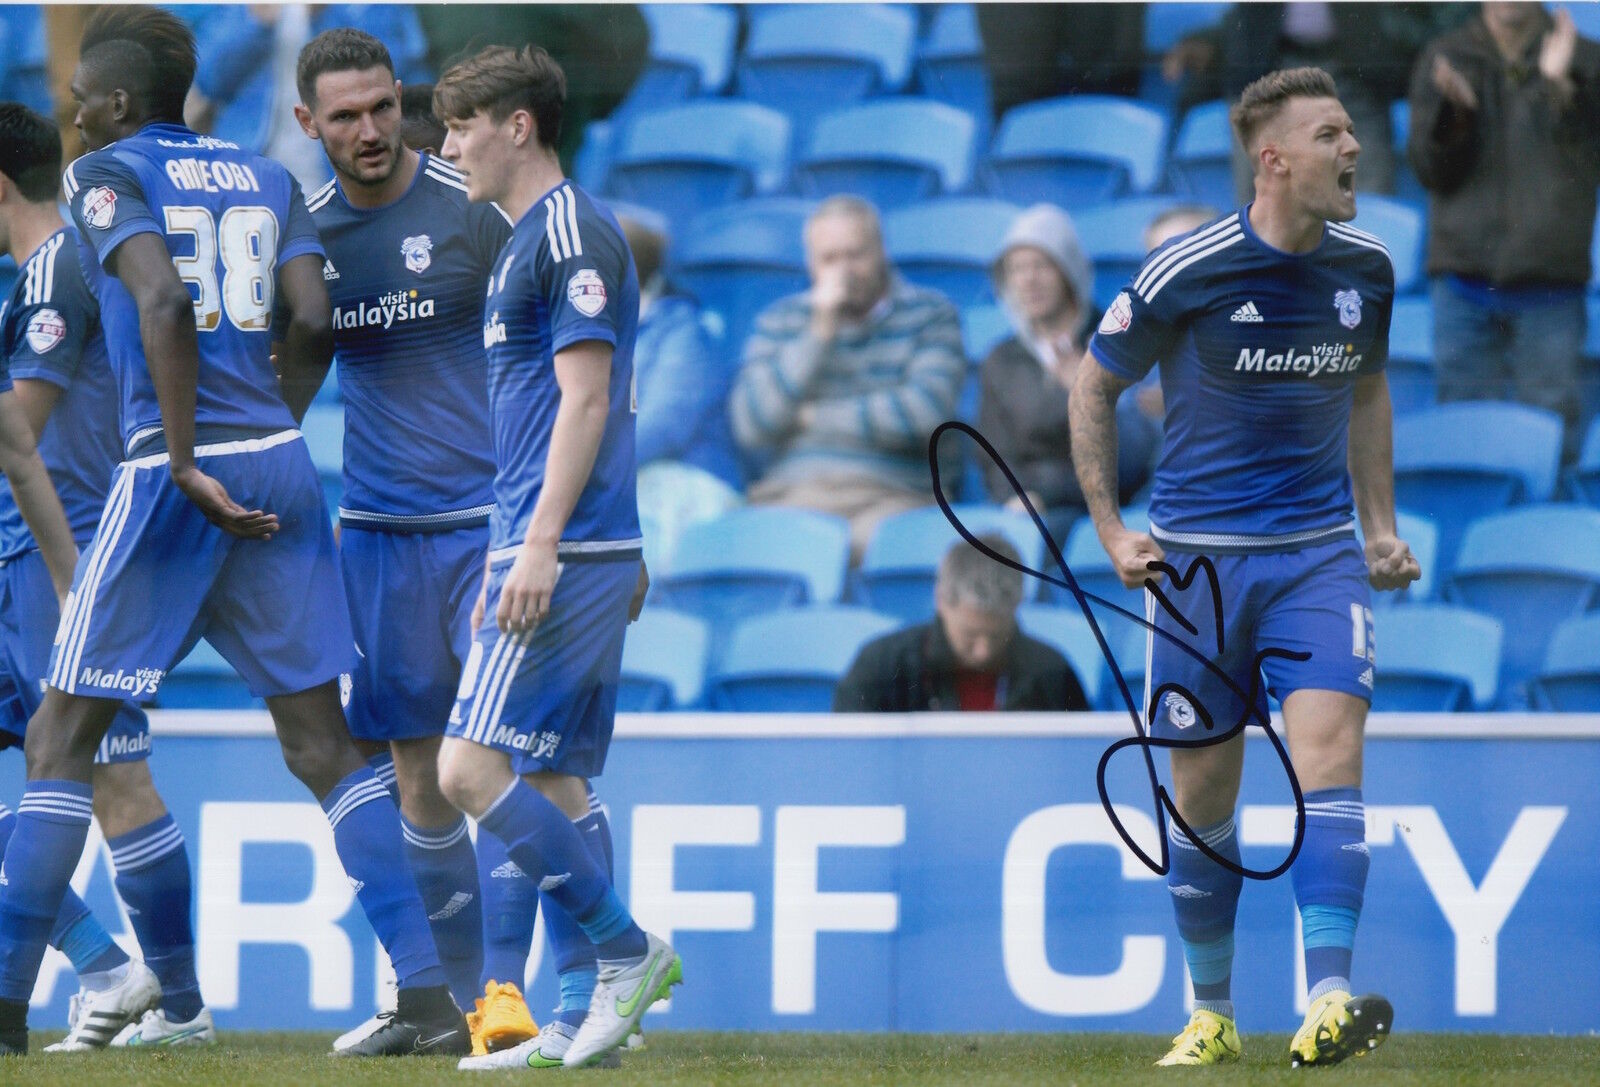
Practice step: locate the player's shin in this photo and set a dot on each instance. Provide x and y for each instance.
(510, 907)
(153, 878)
(446, 871)
(1330, 878)
(52, 826)
(1205, 900)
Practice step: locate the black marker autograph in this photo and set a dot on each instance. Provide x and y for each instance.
(1141, 740)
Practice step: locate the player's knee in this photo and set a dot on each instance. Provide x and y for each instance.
(318, 758)
(63, 735)
(125, 797)
(463, 782)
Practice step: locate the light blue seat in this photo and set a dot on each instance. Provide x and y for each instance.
(983, 327)
(1069, 633)
(1434, 658)
(1129, 648)
(807, 59)
(593, 160)
(1091, 568)
(790, 661)
(203, 680)
(949, 63)
(1201, 166)
(1077, 150)
(1569, 680)
(663, 662)
(1413, 382)
(688, 158)
(1531, 568)
(949, 244)
(902, 559)
(1445, 469)
(1583, 480)
(691, 54)
(1400, 227)
(1113, 238)
(892, 152)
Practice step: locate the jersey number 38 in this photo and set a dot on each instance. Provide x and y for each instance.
(246, 238)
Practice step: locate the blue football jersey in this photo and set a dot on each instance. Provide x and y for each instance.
(1259, 351)
(50, 331)
(566, 276)
(229, 219)
(406, 282)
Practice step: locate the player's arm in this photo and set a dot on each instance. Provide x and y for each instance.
(172, 354)
(37, 399)
(1092, 415)
(35, 493)
(306, 350)
(1390, 563)
(583, 374)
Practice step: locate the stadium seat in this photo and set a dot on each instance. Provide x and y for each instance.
(949, 63)
(1583, 479)
(25, 56)
(1446, 469)
(663, 662)
(1406, 185)
(593, 160)
(754, 560)
(1531, 568)
(1076, 151)
(739, 260)
(790, 661)
(689, 158)
(983, 327)
(1434, 658)
(805, 60)
(203, 680)
(949, 244)
(1091, 568)
(1066, 630)
(1422, 537)
(892, 152)
(902, 558)
(1569, 680)
(1412, 380)
(1201, 166)
(1399, 226)
(1113, 238)
(1129, 643)
(1167, 24)
(691, 52)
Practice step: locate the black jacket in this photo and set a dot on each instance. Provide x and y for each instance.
(915, 669)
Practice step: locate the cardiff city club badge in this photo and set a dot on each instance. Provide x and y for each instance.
(1348, 304)
(99, 207)
(418, 253)
(45, 329)
(586, 292)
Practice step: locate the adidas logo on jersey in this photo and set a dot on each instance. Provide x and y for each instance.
(329, 272)
(1248, 314)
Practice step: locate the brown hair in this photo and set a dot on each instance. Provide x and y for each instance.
(341, 49)
(500, 80)
(1262, 100)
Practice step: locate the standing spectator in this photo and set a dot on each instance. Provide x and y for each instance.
(970, 657)
(1045, 281)
(843, 385)
(1505, 135)
(1036, 51)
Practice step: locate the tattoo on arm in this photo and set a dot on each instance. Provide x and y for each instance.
(1092, 411)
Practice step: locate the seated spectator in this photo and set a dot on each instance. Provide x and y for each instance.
(1044, 281)
(1180, 219)
(842, 386)
(970, 657)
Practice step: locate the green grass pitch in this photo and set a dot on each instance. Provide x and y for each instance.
(821, 1060)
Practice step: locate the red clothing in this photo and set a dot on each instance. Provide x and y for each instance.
(977, 690)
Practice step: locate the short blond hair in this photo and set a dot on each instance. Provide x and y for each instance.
(1264, 99)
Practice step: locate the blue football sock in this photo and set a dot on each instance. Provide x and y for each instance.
(77, 934)
(446, 871)
(1330, 880)
(52, 826)
(510, 907)
(546, 845)
(383, 769)
(571, 949)
(366, 832)
(1205, 898)
(153, 879)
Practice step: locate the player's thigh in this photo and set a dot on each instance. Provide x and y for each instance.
(1325, 732)
(1317, 631)
(1201, 679)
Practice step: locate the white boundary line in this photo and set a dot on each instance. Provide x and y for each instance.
(974, 726)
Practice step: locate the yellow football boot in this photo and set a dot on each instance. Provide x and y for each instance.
(1339, 1025)
(506, 1021)
(1208, 1039)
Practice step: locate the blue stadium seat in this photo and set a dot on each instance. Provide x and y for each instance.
(1076, 151)
(1413, 383)
(739, 260)
(1434, 658)
(1583, 479)
(1201, 166)
(902, 558)
(1091, 568)
(893, 152)
(1069, 633)
(689, 158)
(323, 430)
(1569, 680)
(663, 662)
(790, 661)
(203, 680)
(1399, 226)
(1406, 185)
(1422, 537)
(25, 56)
(1531, 568)
(1446, 468)
(983, 327)
(950, 66)
(807, 59)
(1113, 238)
(949, 244)
(1594, 257)
(593, 160)
(691, 54)
(754, 560)
(1586, 17)
(1129, 646)
(1167, 24)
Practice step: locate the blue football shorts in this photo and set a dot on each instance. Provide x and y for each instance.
(411, 597)
(548, 697)
(158, 576)
(1314, 601)
(28, 620)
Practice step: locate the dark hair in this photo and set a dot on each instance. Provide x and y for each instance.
(419, 128)
(342, 49)
(163, 75)
(500, 80)
(1264, 99)
(30, 152)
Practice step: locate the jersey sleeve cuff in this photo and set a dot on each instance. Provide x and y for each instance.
(300, 248)
(1111, 364)
(41, 373)
(599, 332)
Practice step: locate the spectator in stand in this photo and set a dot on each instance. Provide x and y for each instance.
(244, 89)
(1045, 283)
(1505, 136)
(842, 385)
(1034, 51)
(970, 657)
(1180, 219)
